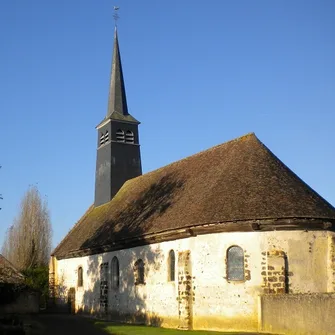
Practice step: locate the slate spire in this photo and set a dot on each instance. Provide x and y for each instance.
(117, 101)
(118, 147)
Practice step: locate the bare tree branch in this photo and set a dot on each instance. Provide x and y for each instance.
(1, 198)
(28, 240)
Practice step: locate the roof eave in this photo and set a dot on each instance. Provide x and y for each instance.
(260, 225)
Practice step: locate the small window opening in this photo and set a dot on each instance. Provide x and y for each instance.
(80, 277)
(120, 135)
(235, 263)
(115, 273)
(139, 272)
(106, 136)
(102, 139)
(129, 137)
(171, 266)
(104, 286)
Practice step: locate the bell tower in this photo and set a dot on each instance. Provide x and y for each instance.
(118, 148)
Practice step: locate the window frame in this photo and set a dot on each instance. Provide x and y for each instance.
(229, 268)
(80, 276)
(115, 278)
(172, 267)
(139, 272)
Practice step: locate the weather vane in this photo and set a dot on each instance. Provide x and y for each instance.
(116, 15)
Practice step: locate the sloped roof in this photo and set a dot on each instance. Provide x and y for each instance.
(8, 273)
(119, 117)
(237, 181)
(117, 100)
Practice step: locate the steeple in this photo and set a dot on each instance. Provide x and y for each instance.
(117, 101)
(118, 148)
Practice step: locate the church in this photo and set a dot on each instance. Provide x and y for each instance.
(202, 243)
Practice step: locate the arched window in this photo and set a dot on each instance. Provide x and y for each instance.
(129, 137)
(235, 263)
(171, 266)
(102, 139)
(106, 136)
(139, 272)
(120, 135)
(115, 272)
(80, 280)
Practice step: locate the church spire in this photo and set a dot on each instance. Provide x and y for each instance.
(117, 101)
(118, 147)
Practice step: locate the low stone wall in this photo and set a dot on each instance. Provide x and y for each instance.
(298, 314)
(27, 302)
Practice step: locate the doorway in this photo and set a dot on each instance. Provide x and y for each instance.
(71, 300)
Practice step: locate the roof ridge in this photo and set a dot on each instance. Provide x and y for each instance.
(238, 180)
(237, 139)
(308, 188)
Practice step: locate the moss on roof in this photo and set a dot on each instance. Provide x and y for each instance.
(235, 181)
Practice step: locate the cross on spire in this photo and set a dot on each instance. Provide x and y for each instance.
(116, 15)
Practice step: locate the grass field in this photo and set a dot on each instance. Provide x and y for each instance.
(117, 329)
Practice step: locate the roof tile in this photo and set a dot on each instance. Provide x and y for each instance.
(235, 181)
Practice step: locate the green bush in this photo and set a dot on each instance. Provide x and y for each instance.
(38, 280)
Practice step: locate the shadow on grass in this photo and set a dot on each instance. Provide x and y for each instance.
(122, 329)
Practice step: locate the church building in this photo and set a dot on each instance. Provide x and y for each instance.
(195, 244)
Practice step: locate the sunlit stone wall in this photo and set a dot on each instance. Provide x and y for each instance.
(201, 297)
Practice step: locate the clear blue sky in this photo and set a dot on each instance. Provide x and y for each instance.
(198, 73)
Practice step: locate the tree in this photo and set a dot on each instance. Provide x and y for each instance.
(28, 241)
(1, 198)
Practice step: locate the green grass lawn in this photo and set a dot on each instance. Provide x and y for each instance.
(119, 329)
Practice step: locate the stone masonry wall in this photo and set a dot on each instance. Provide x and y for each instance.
(298, 314)
(212, 301)
(332, 264)
(274, 272)
(185, 292)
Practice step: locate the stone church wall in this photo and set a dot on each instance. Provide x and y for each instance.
(201, 297)
(298, 314)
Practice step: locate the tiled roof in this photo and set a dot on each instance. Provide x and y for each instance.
(237, 181)
(8, 273)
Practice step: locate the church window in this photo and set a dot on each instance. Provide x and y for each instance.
(102, 139)
(120, 135)
(80, 277)
(106, 136)
(129, 137)
(171, 266)
(139, 272)
(104, 286)
(235, 263)
(115, 273)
